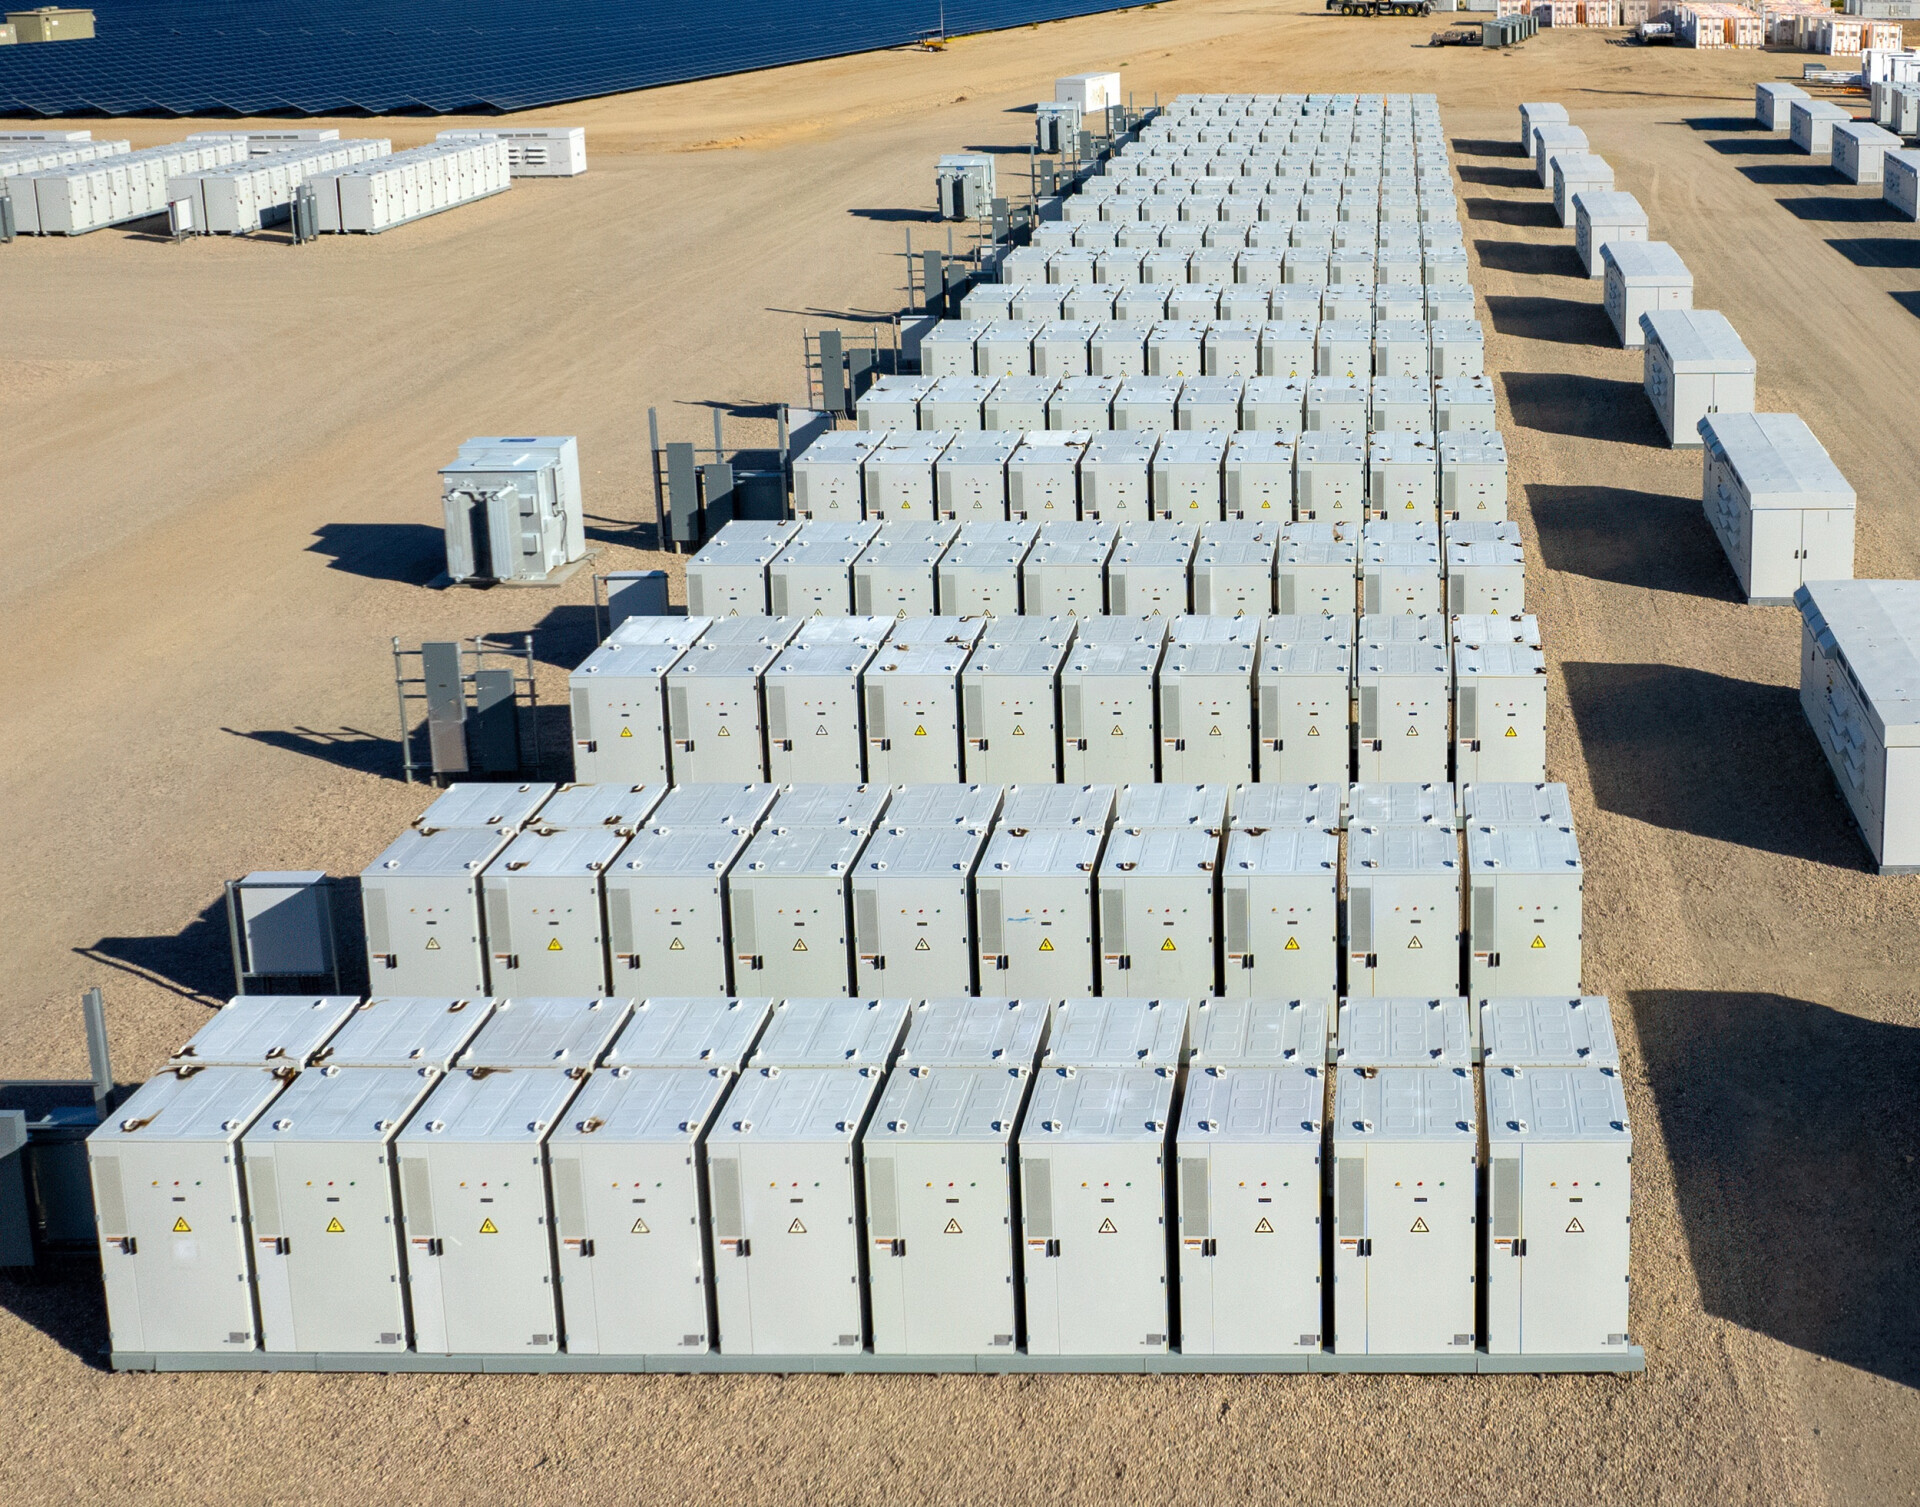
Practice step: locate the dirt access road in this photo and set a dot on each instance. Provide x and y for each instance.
(220, 475)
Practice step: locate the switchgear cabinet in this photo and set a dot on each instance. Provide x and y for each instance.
(1260, 1032)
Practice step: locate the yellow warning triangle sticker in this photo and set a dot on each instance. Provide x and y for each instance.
(1108, 1227)
(554, 946)
(1116, 733)
(1540, 943)
(181, 1227)
(1413, 945)
(433, 944)
(1510, 733)
(1046, 944)
(488, 1227)
(723, 733)
(1264, 1227)
(821, 731)
(920, 732)
(921, 946)
(1313, 732)
(1167, 946)
(1413, 732)
(799, 944)
(626, 732)
(953, 1228)
(1419, 1227)
(1019, 731)
(639, 1228)
(1293, 945)
(676, 945)
(1574, 1227)
(796, 1228)
(334, 1227)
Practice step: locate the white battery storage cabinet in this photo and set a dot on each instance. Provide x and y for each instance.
(406, 1031)
(715, 720)
(1034, 896)
(1403, 684)
(1403, 475)
(1642, 277)
(979, 575)
(1485, 577)
(897, 478)
(1811, 123)
(1268, 803)
(1065, 573)
(1009, 710)
(1773, 102)
(1083, 405)
(729, 574)
(1524, 911)
(1018, 405)
(812, 696)
(1405, 1240)
(912, 892)
(560, 1031)
(165, 1173)
(1248, 1151)
(1163, 805)
(1463, 403)
(1400, 569)
(1107, 733)
(1601, 216)
(946, 350)
(1550, 139)
(831, 1031)
(1577, 173)
(1151, 569)
(1272, 1032)
(1280, 913)
(1554, 1030)
(421, 903)
(813, 575)
(1696, 366)
(912, 694)
(1900, 182)
(1258, 471)
(689, 1031)
(970, 1031)
(667, 911)
(1158, 888)
(1043, 477)
(1187, 476)
(1116, 476)
(266, 1030)
(1538, 114)
(1093, 1151)
(970, 478)
(544, 913)
(1403, 911)
(1205, 699)
(1233, 570)
(784, 1193)
(1330, 474)
(1499, 712)
(827, 477)
(1777, 503)
(938, 1158)
(1473, 475)
(1318, 568)
(480, 805)
(1559, 1204)
(787, 909)
(1386, 1031)
(896, 575)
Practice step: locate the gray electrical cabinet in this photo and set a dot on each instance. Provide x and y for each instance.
(979, 575)
(1084, 404)
(1107, 704)
(1463, 404)
(970, 1031)
(1403, 476)
(1151, 569)
(321, 1195)
(1276, 407)
(1018, 405)
(267, 1030)
(1116, 477)
(813, 576)
(1403, 683)
(892, 404)
(167, 1204)
(714, 714)
(421, 901)
(1065, 573)
(827, 478)
(475, 805)
(1206, 699)
(1560, 1209)
(1403, 911)
(1233, 571)
(667, 911)
(1187, 477)
(1405, 1173)
(1249, 1210)
(1005, 348)
(1009, 709)
(629, 1203)
(1119, 348)
(913, 909)
(787, 908)
(1406, 1032)
(473, 1202)
(1485, 578)
(812, 694)
(405, 1031)
(1060, 349)
(613, 807)
(970, 479)
(619, 708)
(1035, 898)
(1330, 476)
(699, 1031)
(1304, 689)
(939, 1209)
(716, 804)
(1779, 506)
(1500, 713)
(952, 404)
(944, 805)
(544, 912)
(1473, 475)
(833, 1031)
(1258, 477)
(946, 350)
(1524, 916)
(1093, 1153)
(894, 576)
(1158, 896)
(1287, 345)
(912, 696)
(728, 577)
(1280, 913)
(1547, 1031)
(1043, 476)
(1642, 277)
(1259, 1032)
(784, 1190)
(898, 478)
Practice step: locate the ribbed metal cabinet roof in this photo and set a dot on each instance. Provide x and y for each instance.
(854, 806)
(1557, 1104)
(1252, 1106)
(910, 542)
(1329, 446)
(1117, 1032)
(491, 1106)
(552, 1032)
(691, 852)
(476, 804)
(1499, 803)
(1134, 658)
(191, 1104)
(808, 551)
(846, 632)
(1539, 848)
(539, 854)
(1376, 532)
(1065, 852)
(1028, 806)
(1161, 533)
(1401, 1104)
(1401, 554)
(267, 1030)
(943, 805)
(1475, 628)
(1548, 1031)
(405, 1031)
(1498, 659)
(945, 634)
(831, 1033)
(840, 446)
(921, 853)
(1269, 804)
(1157, 805)
(1867, 133)
(1779, 462)
(1282, 850)
(713, 804)
(908, 447)
(613, 660)
(1098, 1105)
(1472, 447)
(1402, 804)
(821, 659)
(1012, 632)
(1402, 659)
(974, 1032)
(1696, 340)
(781, 1104)
(620, 806)
(620, 1105)
(1073, 544)
(978, 447)
(1646, 263)
(344, 1105)
(1253, 446)
(1374, 849)
(680, 632)
(1610, 207)
(1148, 632)
(1399, 446)
(438, 855)
(959, 388)
(1026, 659)
(727, 661)
(1286, 631)
(1259, 1033)
(748, 628)
(1468, 553)
(951, 1102)
(1873, 629)
(689, 1032)
(802, 850)
(1397, 1032)
(1191, 631)
(1121, 446)
(1425, 629)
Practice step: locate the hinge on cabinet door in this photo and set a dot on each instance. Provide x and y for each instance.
(507, 959)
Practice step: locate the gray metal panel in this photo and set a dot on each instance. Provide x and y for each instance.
(1198, 806)
(1259, 1032)
(550, 1032)
(480, 804)
(1385, 1032)
(266, 1030)
(974, 1032)
(1030, 806)
(1260, 805)
(713, 805)
(405, 1031)
(1548, 1031)
(831, 1033)
(854, 806)
(690, 1032)
(1112, 1032)
(943, 805)
(622, 807)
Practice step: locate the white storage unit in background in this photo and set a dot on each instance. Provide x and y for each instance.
(1403, 475)
(257, 191)
(1400, 569)
(938, 1157)
(1559, 1203)
(1258, 471)
(1034, 898)
(1696, 366)
(1187, 477)
(912, 693)
(544, 913)
(667, 911)
(783, 1187)
(421, 901)
(1463, 403)
(1524, 912)
(77, 188)
(534, 151)
(1093, 1150)
(1772, 104)
(1547, 1031)
(1330, 474)
(787, 904)
(1859, 662)
(1280, 909)
(728, 576)
(1043, 476)
(970, 478)
(1403, 695)
(1642, 277)
(1406, 1155)
(912, 894)
(1157, 893)
(1550, 139)
(1249, 1210)
(394, 190)
(1499, 712)
(1010, 722)
(266, 1030)
(1205, 699)
(1403, 910)
(1777, 503)
(1600, 216)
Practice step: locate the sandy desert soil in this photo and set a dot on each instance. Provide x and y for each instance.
(219, 483)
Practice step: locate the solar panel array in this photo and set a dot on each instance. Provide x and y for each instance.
(331, 57)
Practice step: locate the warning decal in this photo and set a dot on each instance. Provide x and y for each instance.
(1108, 1227)
(1539, 944)
(799, 944)
(1167, 946)
(1510, 733)
(1419, 1226)
(433, 944)
(1413, 945)
(1215, 733)
(1413, 732)
(723, 733)
(821, 731)
(1019, 731)
(1046, 944)
(1293, 945)
(334, 1227)
(921, 946)
(639, 1228)
(953, 1228)
(796, 1228)
(676, 945)
(1574, 1227)
(920, 732)
(1314, 731)
(626, 732)
(1265, 1227)
(488, 1227)
(554, 946)
(181, 1227)
(1116, 733)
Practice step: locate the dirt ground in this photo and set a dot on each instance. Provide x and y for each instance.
(219, 474)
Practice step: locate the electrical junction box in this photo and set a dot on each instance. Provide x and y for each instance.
(1403, 911)
(1547, 1031)
(473, 1201)
(323, 1219)
(1344, 348)
(1005, 347)
(404, 1031)
(1259, 1032)
(941, 1243)
(1210, 403)
(1500, 713)
(1116, 1032)
(667, 910)
(827, 479)
(421, 903)
(1151, 568)
(946, 350)
(1463, 404)
(286, 919)
(1560, 1211)
(165, 1172)
(1642, 277)
(1043, 477)
(543, 903)
(1035, 898)
(702, 1031)
(1233, 571)
(1093, 1154)
(1019, 405)
(512, 510)
(1403, 476)
(1338, 405)
(945, 805)
(1249, 1247)
(894, 576)
(970, 478)
(476, 805)
(814, 574)
(1305, 699)
(1403, 1032)
(1400, 405)
(1115, 477)
(1157, 905)
(1473, 475)
(853, 807)
(1152, 804)
(729, 574)
(1206, 699)
(1603, 215)
(713, 805)
(1403, 687)
(1255, 807)
(812, 694)
(1400, 570)
(965, 1031)
(912, 909)
(952, 404)
(784, 1194)
(831, 1032)
(1060, 349)
(1330, 476)
(585, 807)
(1779, 506)
(1083, 404)
(1405, 1175)
(1696, 367)
(897, 478)
(912, 694)
(1258, 472)
(1287, 347)
(627, 1163)
(1009, 721)
(1318, 568)
(1065, 573)
(267, 1030)
(1524, 920)
(788, 908)
(1232, 347)
(1119, 349)
(1045, 804)
(1280, 902)
(1401, 348)
(714, 713)
(1485, 579)
(979, 576)
(1146, 403)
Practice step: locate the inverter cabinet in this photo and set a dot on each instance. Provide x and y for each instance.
(1524, 915)
(1642, 277)
(1603, 215)
(1696, 367)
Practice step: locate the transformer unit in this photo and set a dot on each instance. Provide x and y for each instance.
(1093, 1149)
(1559, 1201)
(895, 575)
(1524, 923)
(513, 509)
(1157, 905)
(1601, 216)
(714, 712)
(913, 909)
(912, 695)
(1305, 686)
(1641, 277)
(787, 904)
(543, 901)
(1696, 367)
(1779, 506)
(1405, 1174)
(1500, 713)
(1065, 573)
(1115, 477)
(667, 911)
(1403, 911)
(827, 478)
(1035, 889)
(979, 575)
(1317, 569)
(963, 184)
(1547, 1031)
(729, 574)
(1009, 717)
(421, 901)
(1233, 571)
(812, 694)
(1151, 568)
(1279, 897)
(1206, 699)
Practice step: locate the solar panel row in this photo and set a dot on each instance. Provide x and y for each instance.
(330, 57)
